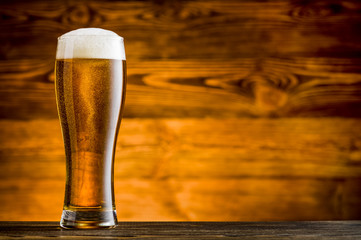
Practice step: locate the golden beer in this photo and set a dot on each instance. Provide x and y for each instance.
(90, 92)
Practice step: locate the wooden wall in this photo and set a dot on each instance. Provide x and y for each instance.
(235, 110)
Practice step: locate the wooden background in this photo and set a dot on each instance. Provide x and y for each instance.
(235, 110)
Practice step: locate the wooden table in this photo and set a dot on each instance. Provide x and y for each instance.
(190, 230)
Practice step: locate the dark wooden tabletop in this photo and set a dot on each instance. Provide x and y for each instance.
(190, 230)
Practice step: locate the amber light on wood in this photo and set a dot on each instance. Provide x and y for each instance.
(235, 110)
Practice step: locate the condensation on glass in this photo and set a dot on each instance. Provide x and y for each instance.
(90, 72)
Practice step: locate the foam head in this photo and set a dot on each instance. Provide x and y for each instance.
(90, 43)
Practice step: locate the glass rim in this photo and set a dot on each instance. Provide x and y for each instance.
(97, 36)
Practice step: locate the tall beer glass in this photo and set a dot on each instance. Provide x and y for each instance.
(90, 89)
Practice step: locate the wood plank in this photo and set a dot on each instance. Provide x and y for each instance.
(190, 230)
(176, 199)
(318, 148)
(196, 169)
(300, 87)
(266, 199)
(231, 29)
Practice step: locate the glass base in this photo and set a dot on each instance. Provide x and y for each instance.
(88, 219)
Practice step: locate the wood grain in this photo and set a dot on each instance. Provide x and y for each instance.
(173, 169)
(248, 58)
(235, 110)
(284, 88)
(190, 230)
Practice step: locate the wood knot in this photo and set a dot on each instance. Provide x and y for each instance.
(268, 99)
(316, 10)
(51, 76)
(355, 157)
(355, 151)
(176, 11)
(80, 15)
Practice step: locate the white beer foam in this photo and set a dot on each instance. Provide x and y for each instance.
(90, 43)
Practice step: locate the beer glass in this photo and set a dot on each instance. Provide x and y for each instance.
(90, 84)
